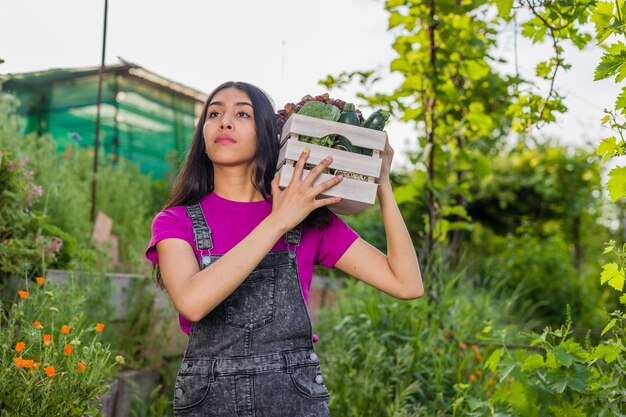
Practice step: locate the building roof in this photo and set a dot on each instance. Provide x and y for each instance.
(124, 67)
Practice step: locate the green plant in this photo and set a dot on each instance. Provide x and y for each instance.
(52, 361)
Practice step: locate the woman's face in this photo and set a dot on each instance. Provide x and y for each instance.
(229, 129)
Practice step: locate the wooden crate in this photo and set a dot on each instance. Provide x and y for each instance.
(356, 194)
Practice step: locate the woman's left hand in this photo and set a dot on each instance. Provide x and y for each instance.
(387, 157)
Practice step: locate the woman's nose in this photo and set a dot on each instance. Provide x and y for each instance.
(226, 125)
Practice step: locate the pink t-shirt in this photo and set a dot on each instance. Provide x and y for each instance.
(231, 221)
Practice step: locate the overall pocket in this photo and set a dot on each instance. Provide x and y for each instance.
(252, 304)
(192, 385)
(309, 382)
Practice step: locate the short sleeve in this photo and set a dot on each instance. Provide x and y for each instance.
(170, 223)
(334, 241)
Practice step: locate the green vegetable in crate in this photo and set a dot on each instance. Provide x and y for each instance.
(350, 117)
(376, 121)
(321, 111)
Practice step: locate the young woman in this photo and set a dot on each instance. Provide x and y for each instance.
(236, 254)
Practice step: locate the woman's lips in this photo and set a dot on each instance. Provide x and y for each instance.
(224, 139)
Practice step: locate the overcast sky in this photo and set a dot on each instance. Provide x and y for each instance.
(284, 47)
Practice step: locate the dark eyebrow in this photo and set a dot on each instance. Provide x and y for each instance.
(240, 103)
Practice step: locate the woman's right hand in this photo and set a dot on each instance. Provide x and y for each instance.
(293, 204)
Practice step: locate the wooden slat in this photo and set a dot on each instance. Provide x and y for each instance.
(318, 128)
(348, 189)
(342, 160)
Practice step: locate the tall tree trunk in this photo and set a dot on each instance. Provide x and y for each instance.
(432, 102)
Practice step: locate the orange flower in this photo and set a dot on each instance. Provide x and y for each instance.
(28, 363)
(19, 362)
(495, 372)
(490, 382)
(50, 371)
(472, 378)
(80, 367)
(19, 346)
(23, 294)
(37, 365)
(463, 345)
(475, 348)
(37, 325)
(448, 335)
(479, 372)
(67, 349)
(65, 329)
(479, 357)
(99, 327)
(40, 280)
(47, 339)
(510, 380)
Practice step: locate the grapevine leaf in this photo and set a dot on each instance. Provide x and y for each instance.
(620, 104)
(504, 7)
(564, 357)
(608, 249)
(532, 362)
(622, 299)
(611, 65)
(601, 17)
(616, 184)
(607, 148)
(612, 275)
(607, 352)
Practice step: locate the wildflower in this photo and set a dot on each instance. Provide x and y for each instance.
(463, 345)
(67, 349)
(19, 346)
(65, 329)
(448, 335)
(80, 367)
(23, 294)
(47, 339)
(472, 378)
(510, 380)
(75, 136)
(41, 280)
(37, 365)
(28, 363)
(475, 348)
(490, 382)
(99, 327)
(57, 244)
(119, 359)
(37, 325)
(479, 357)
(19, 362)
(50, 371)
(23, 162)
(38, 190)
(495, 372)
(479, 372)
(11, 165)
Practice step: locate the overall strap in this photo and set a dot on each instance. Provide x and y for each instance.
(292, 237)
(201, 231)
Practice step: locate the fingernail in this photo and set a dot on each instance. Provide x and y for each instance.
(329, 158)
(337, 199)
(340, 177)
(307, 150)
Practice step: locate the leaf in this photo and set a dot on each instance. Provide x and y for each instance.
(532, 362)
(494, 359)
(607, 148)
(622, 299)
(607, 352)
(620, 103)
(601, 17)
(616, 185)
(504, 7)
(613, 276)
(574, 378)
(608, 327)
(611, 65)
(563, 357)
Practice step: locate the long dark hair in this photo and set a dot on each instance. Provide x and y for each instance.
(196, 176)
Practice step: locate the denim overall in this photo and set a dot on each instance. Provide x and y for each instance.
(253, 355)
